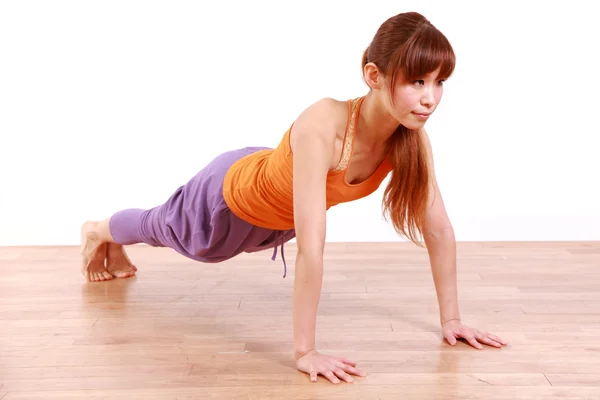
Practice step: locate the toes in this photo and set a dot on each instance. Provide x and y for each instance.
(117, 262)
(120, 273)
(116, 273)
(87, 276)
(99, 276)
(106, 275)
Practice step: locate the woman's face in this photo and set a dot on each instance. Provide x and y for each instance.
(415, 101)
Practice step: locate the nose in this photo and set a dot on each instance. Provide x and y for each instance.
(428, 98)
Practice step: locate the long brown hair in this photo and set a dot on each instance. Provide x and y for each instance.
(409, 46)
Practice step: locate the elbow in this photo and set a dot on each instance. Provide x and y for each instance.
(310, 246)
(437, 225)
(440, 230)
(440, 240)
(310, 254)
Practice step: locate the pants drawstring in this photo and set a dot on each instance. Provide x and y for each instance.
(279, 237)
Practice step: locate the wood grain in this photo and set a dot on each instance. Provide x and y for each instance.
(186, 330)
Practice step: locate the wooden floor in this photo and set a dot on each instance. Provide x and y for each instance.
(185, 330)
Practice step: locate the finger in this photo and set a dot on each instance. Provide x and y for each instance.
(346, 361)
(343, 375)
(473, 342)
(451, 339)
(351, 370)
(496, 338)
(331, 376)
(348, 368)
(489, 341)
(485, 338)
(313, 375)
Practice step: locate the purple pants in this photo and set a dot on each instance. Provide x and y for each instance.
(196, 222)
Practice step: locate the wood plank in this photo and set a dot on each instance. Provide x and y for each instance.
(323, 391)
(182, 329)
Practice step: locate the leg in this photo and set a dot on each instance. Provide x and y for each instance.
(194, 221)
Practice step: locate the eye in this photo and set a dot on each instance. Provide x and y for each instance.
(441, 82)
(420, 82)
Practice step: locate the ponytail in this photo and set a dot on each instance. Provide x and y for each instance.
(406, 196)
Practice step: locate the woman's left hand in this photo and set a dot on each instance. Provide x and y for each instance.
(454, 329)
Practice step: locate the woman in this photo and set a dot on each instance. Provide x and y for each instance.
(254, 198)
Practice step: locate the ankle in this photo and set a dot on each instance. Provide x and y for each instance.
(102, 229)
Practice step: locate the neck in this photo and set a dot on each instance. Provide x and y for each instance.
(376, 125)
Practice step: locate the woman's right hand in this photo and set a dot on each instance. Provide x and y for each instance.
(332, 368)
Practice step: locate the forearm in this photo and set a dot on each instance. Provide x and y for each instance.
(441, 246)
(307, 292)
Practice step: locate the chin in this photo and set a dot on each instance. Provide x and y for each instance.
(413, 125)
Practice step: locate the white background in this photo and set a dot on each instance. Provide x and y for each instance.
(84, 85)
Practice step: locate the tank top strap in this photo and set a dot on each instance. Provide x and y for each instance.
(348, 145)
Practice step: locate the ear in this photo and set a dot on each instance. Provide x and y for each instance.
(373, 77)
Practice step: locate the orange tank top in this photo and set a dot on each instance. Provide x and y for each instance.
(258, 188)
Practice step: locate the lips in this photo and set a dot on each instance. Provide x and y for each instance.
(422, 116)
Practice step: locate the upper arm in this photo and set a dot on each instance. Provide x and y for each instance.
(313, 142)
(437, 217)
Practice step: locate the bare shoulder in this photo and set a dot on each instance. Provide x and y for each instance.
(323, 120)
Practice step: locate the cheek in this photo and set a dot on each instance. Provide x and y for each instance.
(438, 95)
(405, 99)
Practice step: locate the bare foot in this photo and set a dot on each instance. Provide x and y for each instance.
(93, 252)
(117, 262)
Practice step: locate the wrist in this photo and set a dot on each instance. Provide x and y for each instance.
(450, 319)
(299, 353)
(449, 312)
